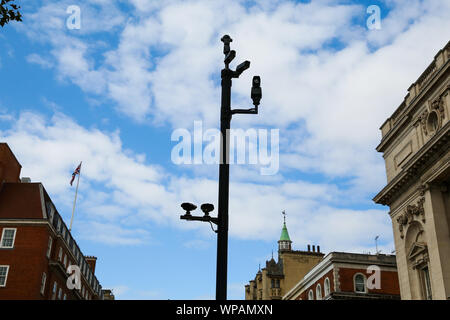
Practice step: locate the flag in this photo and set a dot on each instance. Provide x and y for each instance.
(77, 171)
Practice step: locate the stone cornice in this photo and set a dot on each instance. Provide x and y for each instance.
(392, 133)
(403, 118)
(418, 162)
(416, 92)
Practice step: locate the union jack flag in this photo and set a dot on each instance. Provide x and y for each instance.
(77, 171)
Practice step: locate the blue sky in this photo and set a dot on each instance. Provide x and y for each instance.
(111, 94)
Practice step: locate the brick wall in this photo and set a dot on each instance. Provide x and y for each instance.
(27, 262)
(388, 282)
(321, 281)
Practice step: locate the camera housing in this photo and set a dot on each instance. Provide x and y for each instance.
(229, 57)
(207, 208)
(188, 207)
(226, 39)
(242, 67)
(256, 93)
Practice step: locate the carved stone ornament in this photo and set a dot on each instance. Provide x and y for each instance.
(422, 188)
(418, 255)
(438, 105)
(410, 213)
(423, 121)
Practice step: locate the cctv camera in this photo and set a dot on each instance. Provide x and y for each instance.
(188, 207)
(229, 57)
(256, 92)
(242, 67)
(226, 39)
(207, 208)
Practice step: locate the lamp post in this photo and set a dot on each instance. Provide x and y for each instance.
(224, 168)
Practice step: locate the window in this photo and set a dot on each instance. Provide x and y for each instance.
(3, 275)
(59, 294)
(360, 283)
(8, 237)
(284, 245)
(49, 248)
(44, 278)
(310, 295)
(65, 297)
(327, 286)
(65, 261)
(60, 254)
(55, 287)
(58, 225)
(318, 292)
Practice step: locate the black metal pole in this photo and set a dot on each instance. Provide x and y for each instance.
(224, 179)
(224, 166)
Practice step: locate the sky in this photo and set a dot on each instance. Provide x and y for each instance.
(112, 85)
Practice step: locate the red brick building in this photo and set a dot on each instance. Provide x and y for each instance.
(36, 247)
(342, 275)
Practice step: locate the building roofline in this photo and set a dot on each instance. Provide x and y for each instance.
(416, 90)
(10, 151)
(336, 257)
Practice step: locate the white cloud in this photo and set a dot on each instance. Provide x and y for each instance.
(328, 102)
(162, 72)
(37, 59)
(121, 195)
(111, 234)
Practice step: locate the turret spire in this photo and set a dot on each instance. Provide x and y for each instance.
(285, 242)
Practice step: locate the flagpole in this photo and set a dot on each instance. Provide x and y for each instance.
(75, 200)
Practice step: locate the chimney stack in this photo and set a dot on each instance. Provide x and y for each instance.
(314, 248)
(309, 248)
(318, 248)
(91, 261)
(9, 166)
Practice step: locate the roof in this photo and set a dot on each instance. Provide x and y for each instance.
(4, 146)
(347, 258)
(21, 201)
(284, 233)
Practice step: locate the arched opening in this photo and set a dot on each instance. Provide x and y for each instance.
(359, 282)
(327, 286)
(418, 262)
(432, 122)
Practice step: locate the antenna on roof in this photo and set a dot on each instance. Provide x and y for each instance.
(376, 244)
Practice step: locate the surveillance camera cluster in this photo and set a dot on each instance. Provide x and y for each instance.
(188, 207)
(225, 119)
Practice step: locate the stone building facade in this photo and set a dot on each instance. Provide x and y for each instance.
(278, 277)
(416, 148)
